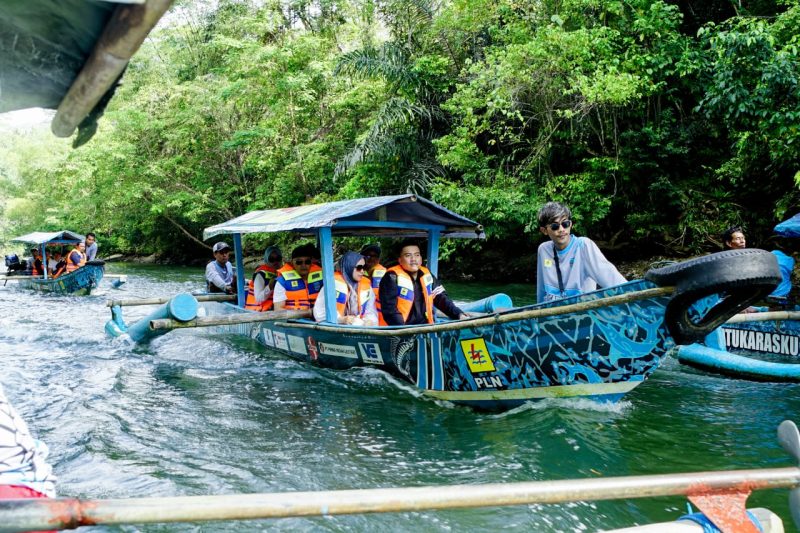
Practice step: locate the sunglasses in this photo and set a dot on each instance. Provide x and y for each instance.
(359, 267)
(274, 259)
(299, 262)
(566, 224)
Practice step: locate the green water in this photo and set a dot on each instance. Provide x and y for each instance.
(196, 414)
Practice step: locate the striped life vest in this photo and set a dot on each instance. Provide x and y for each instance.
(377, 275)
(269, 273)
(405, 293)
(343, 293)
(72, 267)
(300, 294)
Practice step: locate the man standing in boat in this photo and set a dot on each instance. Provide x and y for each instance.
(219, 272)
(91, 246)
(299, 281)
(409, 292)
(568, 265)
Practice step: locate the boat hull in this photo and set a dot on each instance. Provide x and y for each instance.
(779, 338)
(79, 282)
(600, 353)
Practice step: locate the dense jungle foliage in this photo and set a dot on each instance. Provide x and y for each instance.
(659, 122)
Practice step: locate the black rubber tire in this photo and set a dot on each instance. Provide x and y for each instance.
(740, 277)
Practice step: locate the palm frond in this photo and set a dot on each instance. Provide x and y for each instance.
(389, 62)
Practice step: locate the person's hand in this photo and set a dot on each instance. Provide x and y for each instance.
(228, 289)
(349, 320)
(463, 316)
(370, 322)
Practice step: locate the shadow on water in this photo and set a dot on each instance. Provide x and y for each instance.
(192, 413)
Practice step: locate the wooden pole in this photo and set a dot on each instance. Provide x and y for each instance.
(156, 301)
(121, 38)
(67, 513)
(764, 317)
(228, 320)
(496, 319)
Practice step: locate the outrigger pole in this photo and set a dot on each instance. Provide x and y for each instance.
(720, 496)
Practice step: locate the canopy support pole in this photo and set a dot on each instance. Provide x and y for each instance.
(237, 249)
(325, 239)
(433, 252)
(42, 250)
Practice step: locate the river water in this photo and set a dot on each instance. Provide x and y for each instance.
(198, 414)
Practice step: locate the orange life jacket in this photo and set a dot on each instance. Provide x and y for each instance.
(377, 275)
(300, 294)
(71, 267)
(405, 293)
(343, 293)
(35, 271)
(269, 273)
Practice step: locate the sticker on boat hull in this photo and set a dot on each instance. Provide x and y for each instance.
(280, 341)
(339, 350)
(370, 353)
(761, 341)
(266, 337)
(477, 355)
(297, 344)
(312, 349)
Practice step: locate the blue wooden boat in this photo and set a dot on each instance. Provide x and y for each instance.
(78, 282)
(598, 345)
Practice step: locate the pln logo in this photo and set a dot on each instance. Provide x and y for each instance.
(477, 355)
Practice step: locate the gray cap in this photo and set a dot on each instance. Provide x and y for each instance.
(221, 246)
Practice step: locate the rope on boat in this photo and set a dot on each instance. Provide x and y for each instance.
(70, 513)
(764, 317)
(496, 319)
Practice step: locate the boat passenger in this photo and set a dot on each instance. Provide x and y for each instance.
(374, 269)
(91, 246)
(54, 261)
(733, 238)
(219, 272)
(76, 257)
(37, 268)
(261, 286)
(408, 292)
(24, 471)
(355, 301)
(568, 265)
(299, 282)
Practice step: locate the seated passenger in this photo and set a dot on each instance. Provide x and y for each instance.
(260, 288)
(76, 258)
(53, 261)
(409, 292)
(219, 272)
(37, 268)
(355, 301)
(299, 282)
(733, 238)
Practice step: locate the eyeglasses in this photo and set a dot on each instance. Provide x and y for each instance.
(299, 262)
(371, 255)
(566, 224)
(359, 267)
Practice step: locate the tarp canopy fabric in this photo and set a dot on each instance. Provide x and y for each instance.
(43, 46)
(789, 228)
(392, 216)
(54, 237)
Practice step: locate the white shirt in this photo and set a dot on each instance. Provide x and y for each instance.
(319, 308)
(22, 458)
(217, 276)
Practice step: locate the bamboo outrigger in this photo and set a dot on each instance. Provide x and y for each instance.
(720, 496)
(599, 345)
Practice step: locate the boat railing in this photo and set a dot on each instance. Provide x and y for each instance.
(721, 496)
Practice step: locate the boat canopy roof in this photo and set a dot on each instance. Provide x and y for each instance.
(399, 216)
(789, 228)
(54, 237)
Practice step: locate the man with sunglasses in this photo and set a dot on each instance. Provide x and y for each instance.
(299, 281)
(258, 296)
(568, 265)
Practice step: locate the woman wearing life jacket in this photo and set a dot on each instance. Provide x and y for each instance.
(299, 282)
(37, 268)
(260, 287)
(355, 301)
(76, 257)
(409, 292)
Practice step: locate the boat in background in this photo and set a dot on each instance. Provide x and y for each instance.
(78, 282)
(598, 345)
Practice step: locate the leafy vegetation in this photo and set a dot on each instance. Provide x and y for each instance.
(660, 123)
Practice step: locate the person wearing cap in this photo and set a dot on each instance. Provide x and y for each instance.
(261, 286)
(219, 272)
(299, 281)
(373, 269)
(409, 292)
(355, 302)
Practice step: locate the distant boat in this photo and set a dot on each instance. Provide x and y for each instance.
(598, 345)
(78, 282)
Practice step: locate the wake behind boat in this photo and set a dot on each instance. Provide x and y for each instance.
(598, 345)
